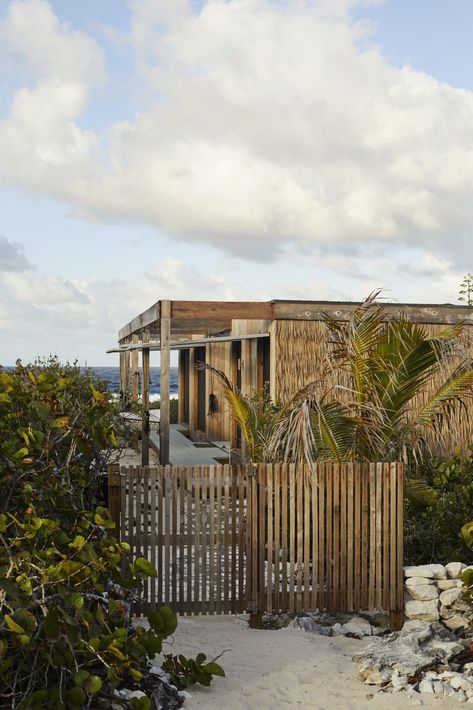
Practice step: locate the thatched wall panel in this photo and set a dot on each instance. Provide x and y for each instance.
(300, 352)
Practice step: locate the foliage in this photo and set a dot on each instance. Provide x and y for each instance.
(66, 584)
(382, 402)
(433, 523)
(173, 409)
(59, 429)
(65, 603)
(187, 671)
(466, 290)
(382, 366)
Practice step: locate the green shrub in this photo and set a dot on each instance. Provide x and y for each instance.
(432, 532)
(59, 428)
(67, 586)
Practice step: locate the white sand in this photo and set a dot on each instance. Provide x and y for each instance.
(283, 669)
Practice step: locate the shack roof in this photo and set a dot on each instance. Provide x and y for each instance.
(189, 318)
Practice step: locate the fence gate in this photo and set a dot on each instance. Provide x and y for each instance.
(227, 539)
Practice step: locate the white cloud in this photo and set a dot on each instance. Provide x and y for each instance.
(266, 124)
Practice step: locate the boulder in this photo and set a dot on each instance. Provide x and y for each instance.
(443, 584)
(456, 622)
(416, 581)
(429, 571)
(454, 569)
(450, 596)
(423, 592)
(424, 610)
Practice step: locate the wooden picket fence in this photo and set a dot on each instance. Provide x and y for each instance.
(279, 538)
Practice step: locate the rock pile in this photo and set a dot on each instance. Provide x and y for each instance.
(422, 658)
(434, 593)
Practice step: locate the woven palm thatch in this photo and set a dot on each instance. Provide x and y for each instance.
(302, 352)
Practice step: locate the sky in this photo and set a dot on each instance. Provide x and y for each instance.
(227, 150)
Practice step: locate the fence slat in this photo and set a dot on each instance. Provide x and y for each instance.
(204, 535)
(211, 539)
(218, 538)
(261, 535)
(379, 527)
(277, 535)
(315, 537)
(299, 535)
(322, 597)
(306, 535)
(350, 537)
(269, 547)
(372, 537)
(233, 538)
(167, 535)
(292, 534)
(190, 533)
(284, 532)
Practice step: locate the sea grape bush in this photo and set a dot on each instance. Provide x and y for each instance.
(58, 430)
(67, 585)
(433, 526)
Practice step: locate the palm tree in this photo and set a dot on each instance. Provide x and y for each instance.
(374, 400)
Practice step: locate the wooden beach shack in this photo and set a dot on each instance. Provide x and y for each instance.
(279, 344)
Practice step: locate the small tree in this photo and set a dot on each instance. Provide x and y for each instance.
(466, 290)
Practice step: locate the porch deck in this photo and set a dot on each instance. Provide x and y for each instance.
(184, 452)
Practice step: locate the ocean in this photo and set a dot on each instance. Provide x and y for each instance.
(112, 374)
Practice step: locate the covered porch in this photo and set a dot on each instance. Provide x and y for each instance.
(227, 335)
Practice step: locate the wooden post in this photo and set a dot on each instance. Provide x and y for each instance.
(181, 387)
(165, 382)
(135, 377)
(122, 377)
(114, 496)
(145, 401)
(126, 376)
(192, 393)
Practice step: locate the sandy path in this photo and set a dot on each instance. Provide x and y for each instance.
(279, 670)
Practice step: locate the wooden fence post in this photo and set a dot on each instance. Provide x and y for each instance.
(114, 496)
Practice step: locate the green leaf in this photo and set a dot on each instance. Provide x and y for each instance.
(214, 669)
(78, 543)
(75, 698)
(80, 677)
(93, 685)
(145, 566)
(12, 625)
(51, 624)
(163, 621)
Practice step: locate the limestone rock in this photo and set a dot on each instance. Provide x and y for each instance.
(416, 581)
(358, 626)
(308, 624)
(399, 653)
(423, 592)
(454, 569)
(450, 596)
(429, 571)
(425, 610)
(426, 686)
(456, 622)
(446, 648)
(443, 584)
(446, 612)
